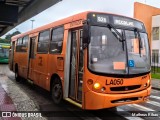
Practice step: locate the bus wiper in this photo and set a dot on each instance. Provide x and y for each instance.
(137, 35)
(120, 37)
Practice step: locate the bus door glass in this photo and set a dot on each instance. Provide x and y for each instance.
(31, 57)
(11, 55)
(76, 69)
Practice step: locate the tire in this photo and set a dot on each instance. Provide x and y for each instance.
(56, 91)
(17, 77)
(114, 109)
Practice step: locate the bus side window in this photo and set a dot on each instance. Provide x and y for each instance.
(25, 41)
(43, 42)
(24, 45)
(18, 45)
(57, 40)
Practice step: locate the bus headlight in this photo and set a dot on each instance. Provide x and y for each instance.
(148, 82)
(97, 85)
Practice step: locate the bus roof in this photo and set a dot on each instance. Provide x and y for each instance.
(5, 44)
(82, 15)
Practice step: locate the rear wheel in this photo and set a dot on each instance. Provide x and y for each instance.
(17, 77)
(56, 91)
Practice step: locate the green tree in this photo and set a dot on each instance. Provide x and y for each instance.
(8, 37)
(4, 40)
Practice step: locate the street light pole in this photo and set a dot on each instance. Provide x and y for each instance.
(16, 29)
(32, 23)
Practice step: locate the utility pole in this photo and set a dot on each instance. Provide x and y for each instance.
(32, 23)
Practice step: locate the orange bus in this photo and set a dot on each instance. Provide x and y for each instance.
(94, 60)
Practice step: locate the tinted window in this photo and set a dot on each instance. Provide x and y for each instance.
(44, 36)
(57, 40)
(25, 41)
(19, 41)
(43, 43)
(22, 44)
(18, 45)
(155, 33)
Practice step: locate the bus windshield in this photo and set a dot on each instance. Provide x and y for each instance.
(107, 54)
(4, 52)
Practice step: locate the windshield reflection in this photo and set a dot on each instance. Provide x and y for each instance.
(107, 54)
(138, 52)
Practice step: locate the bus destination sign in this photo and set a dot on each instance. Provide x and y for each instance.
(99, 18)
(117, 21)
(122, 21)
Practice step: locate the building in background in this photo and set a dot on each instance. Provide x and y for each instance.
(151, 18)
(155, 39)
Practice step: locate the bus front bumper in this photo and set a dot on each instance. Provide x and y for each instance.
(95, 100)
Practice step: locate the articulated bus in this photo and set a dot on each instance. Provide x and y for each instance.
(4, 52)
(93, 60)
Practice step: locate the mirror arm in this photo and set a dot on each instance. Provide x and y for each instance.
(86, 34)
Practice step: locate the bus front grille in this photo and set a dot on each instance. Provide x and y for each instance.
(125, 88)
(126, 100)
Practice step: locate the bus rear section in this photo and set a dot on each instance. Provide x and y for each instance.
(93, 60)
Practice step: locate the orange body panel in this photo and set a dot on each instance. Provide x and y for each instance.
(96, 100)
(22, 60)
(41, 70)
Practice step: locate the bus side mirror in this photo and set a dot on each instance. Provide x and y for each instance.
(86, 35)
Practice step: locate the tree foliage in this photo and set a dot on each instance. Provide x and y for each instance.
(4, 40)
(8, 37)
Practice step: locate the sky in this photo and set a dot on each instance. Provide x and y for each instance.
(67, 8)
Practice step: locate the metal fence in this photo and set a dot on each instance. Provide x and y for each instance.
(155, 63)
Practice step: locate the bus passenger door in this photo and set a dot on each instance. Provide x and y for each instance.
(31, 58)
(76, 66)
(11, 56)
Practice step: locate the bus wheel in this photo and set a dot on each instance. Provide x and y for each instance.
(56, 91)
(17, 77)
(114, 109)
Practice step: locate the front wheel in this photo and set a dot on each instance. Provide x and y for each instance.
(114, 109)
(56, 91)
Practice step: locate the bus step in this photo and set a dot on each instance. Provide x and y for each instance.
(73, 102)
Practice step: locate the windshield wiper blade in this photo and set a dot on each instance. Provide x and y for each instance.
(139, 38)
(120, 37)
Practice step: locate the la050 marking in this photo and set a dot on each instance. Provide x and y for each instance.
(115, 82)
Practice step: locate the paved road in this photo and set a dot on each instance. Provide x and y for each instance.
(40, 100)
